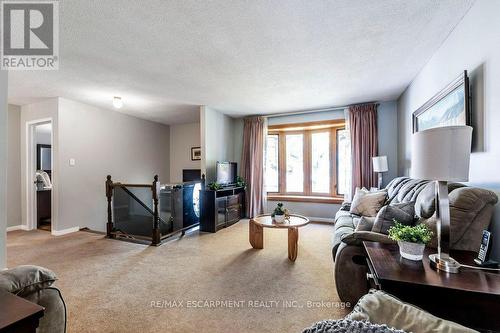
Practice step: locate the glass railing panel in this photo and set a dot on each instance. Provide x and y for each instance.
(179, 206)
(166, 209)
(133, 209)
(129, 215)
(144, 194)
(191, 203)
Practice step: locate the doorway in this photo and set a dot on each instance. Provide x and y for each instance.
(40, 175)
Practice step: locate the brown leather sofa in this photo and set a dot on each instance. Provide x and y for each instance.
(471, 210)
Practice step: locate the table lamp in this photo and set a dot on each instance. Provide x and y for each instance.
(442, 154)
(380, 166)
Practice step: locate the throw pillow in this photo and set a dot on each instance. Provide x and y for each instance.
(26, 279)
(404, 213)
(366, 203)
(365, 224)
(380, 307)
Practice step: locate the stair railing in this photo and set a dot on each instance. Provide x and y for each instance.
(155, 190)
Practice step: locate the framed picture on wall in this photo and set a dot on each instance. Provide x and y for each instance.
(195, 153)
(449, 107)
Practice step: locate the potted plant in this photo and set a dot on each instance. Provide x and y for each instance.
(240, 181)
(214, 186)
(280, 213)
(411, 239)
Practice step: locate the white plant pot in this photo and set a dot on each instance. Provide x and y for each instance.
(279, 218)
(411, 251)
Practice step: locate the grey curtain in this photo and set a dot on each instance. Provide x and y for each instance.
(364, 144)
(252, 160)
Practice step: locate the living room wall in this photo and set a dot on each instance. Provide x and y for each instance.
(31, 112)
(221, 140)
(3, 167)
(14, 217)
(103, 142)
(474, 45)
(182, 138)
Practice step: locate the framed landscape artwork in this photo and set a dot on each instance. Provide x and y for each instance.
(195, 153)
(449, 107)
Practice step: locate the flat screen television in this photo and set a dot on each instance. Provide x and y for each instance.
(226, 173)
(190, 175)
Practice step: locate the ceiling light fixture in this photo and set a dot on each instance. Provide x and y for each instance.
(117, 102)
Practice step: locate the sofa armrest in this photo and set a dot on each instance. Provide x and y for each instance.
(471, 210)
(357, 237)
(467, 198)
(54, 318)
(350, 272)
(26, 279)
(346, 206)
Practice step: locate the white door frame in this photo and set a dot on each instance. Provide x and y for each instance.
(30, 174)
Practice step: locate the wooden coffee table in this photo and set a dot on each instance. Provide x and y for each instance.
(258, 223)
(470, 298)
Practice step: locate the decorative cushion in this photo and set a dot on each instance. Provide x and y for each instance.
(351, 326)
(382, 308)
(404, 213)
(366, 203)
(26, 279)
(365, 223)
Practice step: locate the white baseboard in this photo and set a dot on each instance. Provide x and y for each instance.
(65, 231)
(321, 220)
(17, 227)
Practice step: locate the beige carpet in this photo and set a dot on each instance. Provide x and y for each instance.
(109, 285)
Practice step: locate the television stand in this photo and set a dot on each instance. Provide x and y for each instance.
(221, 208)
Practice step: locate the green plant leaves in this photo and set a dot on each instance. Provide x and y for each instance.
(279, 210)
(214, 186)
(419, 233)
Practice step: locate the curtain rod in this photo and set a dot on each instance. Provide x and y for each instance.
(314, 111)
(305, 112)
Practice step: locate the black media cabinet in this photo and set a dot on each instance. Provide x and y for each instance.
(221, 208)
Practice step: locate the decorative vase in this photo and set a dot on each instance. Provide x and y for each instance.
(411, 251)
(279, 218)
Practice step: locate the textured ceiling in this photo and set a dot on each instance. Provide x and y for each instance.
(241, 57)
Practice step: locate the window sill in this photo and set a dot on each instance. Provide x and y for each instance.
(304, 198)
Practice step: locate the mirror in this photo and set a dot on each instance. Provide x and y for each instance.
(44, 157)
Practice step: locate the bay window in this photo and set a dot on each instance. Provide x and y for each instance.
(307, 161)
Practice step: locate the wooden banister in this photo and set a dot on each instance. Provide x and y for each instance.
(109, 196)
(155, 187)
(112, 231)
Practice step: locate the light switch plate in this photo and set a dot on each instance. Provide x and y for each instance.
(72, 162)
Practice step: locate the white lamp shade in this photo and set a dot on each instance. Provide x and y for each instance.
(442, 153)
(380, 164)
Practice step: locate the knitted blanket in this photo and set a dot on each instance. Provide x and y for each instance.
(349, 326)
